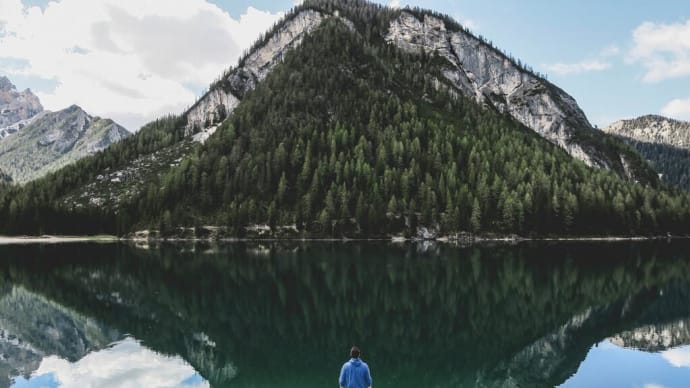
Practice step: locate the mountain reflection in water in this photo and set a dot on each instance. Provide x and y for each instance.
(284, 314)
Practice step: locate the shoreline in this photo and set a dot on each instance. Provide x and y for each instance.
(51, 239)
(401, 239)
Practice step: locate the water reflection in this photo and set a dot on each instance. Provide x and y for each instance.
(281, 315)
(123, 364)
(608, 365)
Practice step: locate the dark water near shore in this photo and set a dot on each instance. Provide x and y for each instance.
(285, 314)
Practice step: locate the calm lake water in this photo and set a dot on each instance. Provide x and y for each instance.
(285, 315)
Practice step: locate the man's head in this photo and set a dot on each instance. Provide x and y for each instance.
(354, 352)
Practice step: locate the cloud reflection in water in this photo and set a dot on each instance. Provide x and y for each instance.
(124, 364)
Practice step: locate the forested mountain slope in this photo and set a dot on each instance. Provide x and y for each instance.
(468, 65)
(664, 142)
(341, 133)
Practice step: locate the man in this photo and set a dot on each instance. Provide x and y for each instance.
(355, 373)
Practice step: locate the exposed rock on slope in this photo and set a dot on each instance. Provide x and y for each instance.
(115, 187)
(664, 142)
(5, 178)
(487, 75)
(53, 140)
(473, 68)
(224, 96)
(653, 129)
(16, 107)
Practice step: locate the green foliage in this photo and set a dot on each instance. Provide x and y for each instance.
(37, 208)
(347, 128)
(350, 136)
(672, 163)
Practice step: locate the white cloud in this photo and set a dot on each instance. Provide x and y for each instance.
(610, 51)
(126, 364)
(578, 67)
(663, 49)
(677, 109)
(132, 60)
(394, 3)
(652, 385)
(679, 357)
(470, 24)
(467, 23)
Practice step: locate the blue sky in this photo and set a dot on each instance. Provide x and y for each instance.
(619, 59)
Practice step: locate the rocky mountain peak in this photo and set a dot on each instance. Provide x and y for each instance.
(484, 73)
(653, 129)
(472, 67)
(74, 108)
(6, 84)
(34, 142)
(224, 96)
(15, 107)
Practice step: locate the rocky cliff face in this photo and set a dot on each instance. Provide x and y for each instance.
(471, 67)
(225, 95)
(16, 108)
(488, 76)
(653, 129)
(5, 178)
(55, 139)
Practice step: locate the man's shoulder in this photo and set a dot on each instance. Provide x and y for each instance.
(348, 364)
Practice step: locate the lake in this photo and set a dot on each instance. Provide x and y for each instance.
(285, 314)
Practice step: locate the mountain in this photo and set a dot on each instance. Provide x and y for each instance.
(467, 65)
(55, 139)
(34, 142)
(654, 129)
(16, 107)
(664, 142)
(336, 124)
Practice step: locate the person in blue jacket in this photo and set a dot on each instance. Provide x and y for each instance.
(355, 373)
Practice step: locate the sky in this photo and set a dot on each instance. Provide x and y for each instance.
(135, 60)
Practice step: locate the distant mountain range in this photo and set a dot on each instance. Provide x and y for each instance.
(34, 142)
(654, 129)
(16, 107)
(664, 142)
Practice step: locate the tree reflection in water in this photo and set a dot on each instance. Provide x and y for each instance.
(284, 314)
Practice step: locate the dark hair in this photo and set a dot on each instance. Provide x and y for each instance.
(354, 352)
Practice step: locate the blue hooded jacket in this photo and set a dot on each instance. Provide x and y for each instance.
(355, 374)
